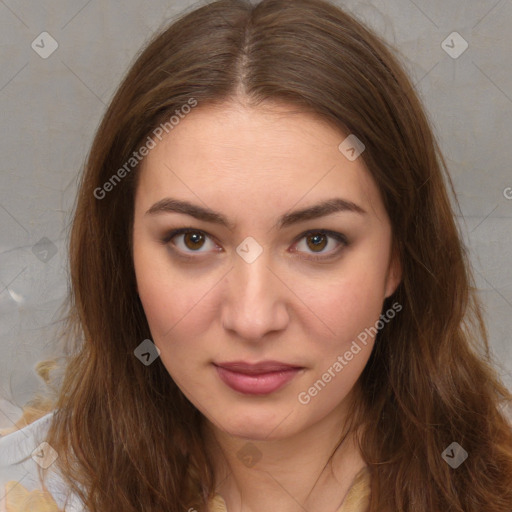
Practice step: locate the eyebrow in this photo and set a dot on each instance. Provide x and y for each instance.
(327, 207)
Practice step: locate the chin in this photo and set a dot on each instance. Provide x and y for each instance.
(260, 426)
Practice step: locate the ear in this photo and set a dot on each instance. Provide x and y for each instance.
(394, 274)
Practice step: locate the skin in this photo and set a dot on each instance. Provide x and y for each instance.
(253, 165)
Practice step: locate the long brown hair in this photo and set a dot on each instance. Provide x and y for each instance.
(127, 437)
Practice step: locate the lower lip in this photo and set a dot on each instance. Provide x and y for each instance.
(259, 384)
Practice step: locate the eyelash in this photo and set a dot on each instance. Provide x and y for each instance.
(333, 234)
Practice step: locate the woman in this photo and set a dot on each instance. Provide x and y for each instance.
(276, 307)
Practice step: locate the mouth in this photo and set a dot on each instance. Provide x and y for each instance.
(256, 378)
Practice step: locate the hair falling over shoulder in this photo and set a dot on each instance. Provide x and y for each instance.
(127, 437)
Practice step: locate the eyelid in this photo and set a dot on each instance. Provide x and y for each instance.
(339, 237)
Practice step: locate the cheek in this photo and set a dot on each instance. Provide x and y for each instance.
(170, 306)
(173, 323)
(162, 291)
(177, 304)
(349, 305)
(346, 302)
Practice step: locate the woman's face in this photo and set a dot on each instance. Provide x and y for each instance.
(261, 276)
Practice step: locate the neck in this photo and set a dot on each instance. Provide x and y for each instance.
(306, 470)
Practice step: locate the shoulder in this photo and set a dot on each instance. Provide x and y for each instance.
(22, 452)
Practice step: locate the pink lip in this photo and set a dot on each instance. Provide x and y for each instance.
(256, 379)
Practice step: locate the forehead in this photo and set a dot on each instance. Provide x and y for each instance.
(266, 159)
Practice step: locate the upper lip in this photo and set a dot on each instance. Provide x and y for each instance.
(256, 368)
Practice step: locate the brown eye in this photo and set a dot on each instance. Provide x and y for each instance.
(193, 240)
(188, 241)
(316, 241)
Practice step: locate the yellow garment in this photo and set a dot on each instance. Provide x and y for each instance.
(18, 499)
(358, 496)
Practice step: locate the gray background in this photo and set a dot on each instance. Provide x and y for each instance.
(51, 107)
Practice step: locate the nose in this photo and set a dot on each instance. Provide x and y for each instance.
(255, 299)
